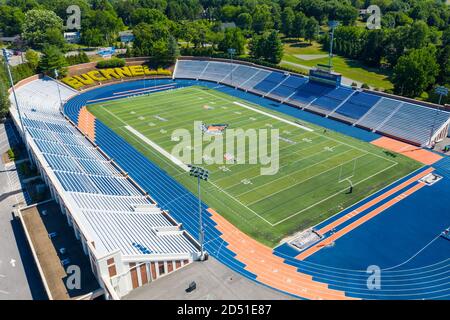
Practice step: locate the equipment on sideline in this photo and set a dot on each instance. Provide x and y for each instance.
(446, 234)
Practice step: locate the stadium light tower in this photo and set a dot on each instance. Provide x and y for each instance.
(200, 174)
(5, 55)
(231, 52)
(333, 25)
(59, 90)
(441, 91)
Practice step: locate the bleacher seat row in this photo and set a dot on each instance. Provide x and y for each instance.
(103, 199)
(407, 121)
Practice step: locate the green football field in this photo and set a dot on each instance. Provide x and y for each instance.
(311, 182)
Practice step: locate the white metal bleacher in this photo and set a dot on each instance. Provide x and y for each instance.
(99, 197)
(407, 121)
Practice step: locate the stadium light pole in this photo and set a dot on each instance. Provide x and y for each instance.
(200, 174)
(441, 91)
(24, 134)
(231, 52)
(59, 91)
(333, 25)
(5, 55)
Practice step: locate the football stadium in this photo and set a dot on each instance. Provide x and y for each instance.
(223, 157)
(349, 185)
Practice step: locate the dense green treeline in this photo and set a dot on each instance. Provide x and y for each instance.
(414, 33)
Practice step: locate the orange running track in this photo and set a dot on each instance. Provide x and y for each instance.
(86, 123)
(270, 269)
(416, 153)
(327, 241)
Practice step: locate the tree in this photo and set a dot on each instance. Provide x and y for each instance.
(11, 20)
(267, 47)
(4, 97)
(52, 60)
(244, 21)
(229, 13)
(37, 26)
(156, 41)
(92, 37)
(415, 72)
(287, 21)
(173, 51)
(262, 18)
(106, 22)
(342, 12)
(444, 62)
(299, 25)
(373, 47)
(183, 9)
(274, 48)
(233, 38)
(24, 5)
(418, 35)
(147, 15)
(32, 58)
(311, 29)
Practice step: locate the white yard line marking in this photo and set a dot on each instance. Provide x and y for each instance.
(322, 135)
(180, 164)
(333, 195)
(273, 116)
(126, 125)
(302, 181)
(250, 178)
(232, 197)
(158, 148)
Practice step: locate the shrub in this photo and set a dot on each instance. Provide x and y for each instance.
(11, 154)
(79, 58)
(365, 86)
(23, 71)
(111, 63)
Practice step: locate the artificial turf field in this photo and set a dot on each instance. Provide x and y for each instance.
(316, 167)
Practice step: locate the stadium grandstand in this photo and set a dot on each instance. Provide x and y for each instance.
(128, 238)
(411, 122)
(137, 223)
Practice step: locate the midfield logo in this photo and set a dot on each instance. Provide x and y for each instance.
(218, 144)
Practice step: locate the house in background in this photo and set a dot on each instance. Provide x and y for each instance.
(126, 36)
(72, 37)
(227, 25)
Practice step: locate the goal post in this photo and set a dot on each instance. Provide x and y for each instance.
(347, 172)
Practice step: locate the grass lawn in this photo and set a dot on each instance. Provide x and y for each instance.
(309, 186)
(349, 68)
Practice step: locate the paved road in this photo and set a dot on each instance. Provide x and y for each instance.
(19, 278)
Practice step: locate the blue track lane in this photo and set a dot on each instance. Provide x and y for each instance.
(392, 238)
